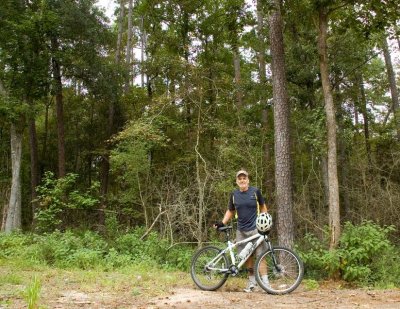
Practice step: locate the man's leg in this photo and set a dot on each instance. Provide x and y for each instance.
(263, 264)
(251, 285)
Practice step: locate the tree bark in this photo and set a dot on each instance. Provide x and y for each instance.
(33, 146)
(334, 210)
(392, 84)
(59, 109)
(283, 177)
(129, 47)
(268, 179)
(13, 219)
(365, 117)
(142, 50)
(238, 78)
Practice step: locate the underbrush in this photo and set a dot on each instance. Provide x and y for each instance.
(365, 256)
(89, 250)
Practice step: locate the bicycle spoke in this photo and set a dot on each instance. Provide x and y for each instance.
(207, 272)
(284, 276)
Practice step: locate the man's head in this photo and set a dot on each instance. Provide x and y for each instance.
(242, 180)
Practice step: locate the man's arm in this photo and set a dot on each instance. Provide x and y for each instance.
(228, 215)
(263, 208)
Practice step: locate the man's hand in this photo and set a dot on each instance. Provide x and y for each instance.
(217, 225)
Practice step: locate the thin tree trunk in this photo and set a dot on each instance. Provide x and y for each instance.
(142, 50)
(46, 133)
(120, 30)
(344, 167)
(33, 146)
(268, 179)
(392, 84)
(128, 47)
(334, 210)
(13, 216)
(238, 79)
(105, 163)
(283, 177)
(59, 109)
(365, 117)
(200, 184)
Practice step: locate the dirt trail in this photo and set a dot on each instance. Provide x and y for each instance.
(231, 296)
(322, 298)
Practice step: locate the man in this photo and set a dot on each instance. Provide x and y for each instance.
(244, 202)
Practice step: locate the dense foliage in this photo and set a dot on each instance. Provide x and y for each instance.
(365, 256)
(143, 128)
(89, 250)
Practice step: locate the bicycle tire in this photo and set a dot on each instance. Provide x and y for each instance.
(284, 278)
(206, 279)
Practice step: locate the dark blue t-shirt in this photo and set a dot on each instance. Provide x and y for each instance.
(245, 204)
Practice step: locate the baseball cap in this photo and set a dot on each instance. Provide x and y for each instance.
(242, 172)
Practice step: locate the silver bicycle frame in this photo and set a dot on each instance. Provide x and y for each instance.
(230, 248)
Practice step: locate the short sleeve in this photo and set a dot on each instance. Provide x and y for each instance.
(260, 198)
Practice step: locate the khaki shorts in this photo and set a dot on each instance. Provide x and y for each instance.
(240, 235)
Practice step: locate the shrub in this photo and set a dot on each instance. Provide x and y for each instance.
(362, 249)
(57, 195)
(12, 244)
(151, 249)
(89, 250)
(179, 258)
(364, 256)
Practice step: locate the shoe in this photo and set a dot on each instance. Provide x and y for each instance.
(251, 286)
(265, 280)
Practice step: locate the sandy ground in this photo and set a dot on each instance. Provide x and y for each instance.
(325, 298)
(190, 297)
(71, 296)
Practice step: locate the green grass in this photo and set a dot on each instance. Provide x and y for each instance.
(43, 286)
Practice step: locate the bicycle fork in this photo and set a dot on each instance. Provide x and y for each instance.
(274, 261)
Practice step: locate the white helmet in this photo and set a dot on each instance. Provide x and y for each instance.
(264, 222)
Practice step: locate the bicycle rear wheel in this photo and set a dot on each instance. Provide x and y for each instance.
(206, 275)
(284, 275)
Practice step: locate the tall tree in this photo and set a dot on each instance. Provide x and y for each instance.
(129, 47)
(334, 207)
(392, 84)
(12, 221)
(268, 179)
(283, 176)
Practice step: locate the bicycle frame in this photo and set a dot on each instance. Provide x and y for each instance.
(231, 246)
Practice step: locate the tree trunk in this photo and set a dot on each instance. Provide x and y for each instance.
(120, 30)
(142, 50)
(59, 109)
(238, 82)
(129, 47)
(365, 117)
(392, 84)
(33, 146)
(334, 210)
(105, 163)
(283, 177)
(268, 179)
(13, 214)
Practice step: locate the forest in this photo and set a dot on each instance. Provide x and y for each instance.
(140, 122)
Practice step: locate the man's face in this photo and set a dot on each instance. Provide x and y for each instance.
(243, 182)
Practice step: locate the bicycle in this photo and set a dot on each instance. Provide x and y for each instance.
(211, 267)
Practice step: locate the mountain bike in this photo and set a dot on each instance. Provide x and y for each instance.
(211, 266)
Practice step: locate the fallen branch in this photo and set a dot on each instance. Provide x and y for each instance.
(151, 227)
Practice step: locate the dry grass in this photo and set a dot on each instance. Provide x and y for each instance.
(62, 288)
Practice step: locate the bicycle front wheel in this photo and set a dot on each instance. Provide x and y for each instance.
(207, 270)
(279, 271)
